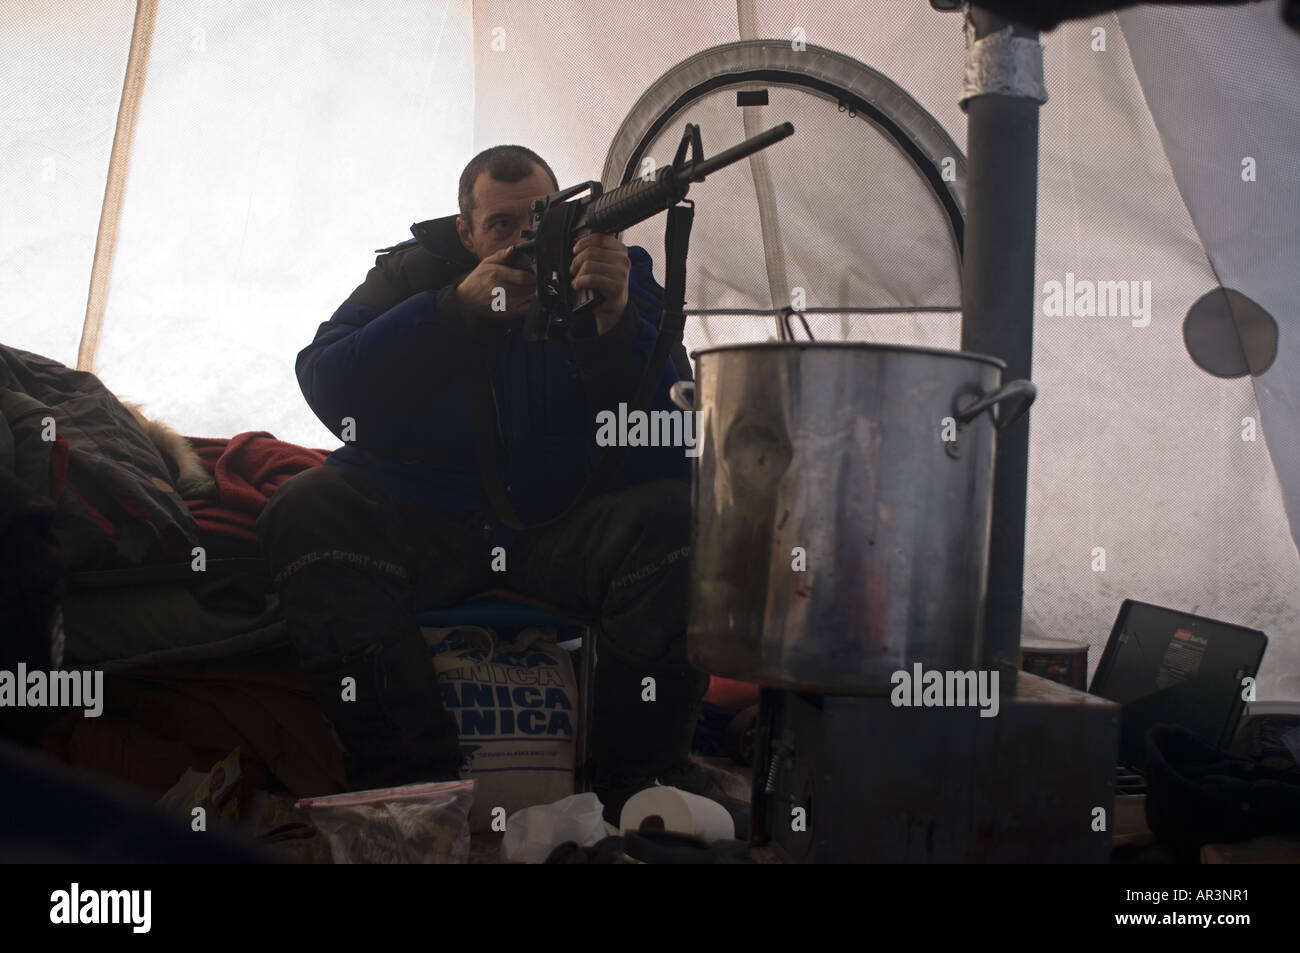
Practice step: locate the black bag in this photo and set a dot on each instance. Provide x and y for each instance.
(1198, 795)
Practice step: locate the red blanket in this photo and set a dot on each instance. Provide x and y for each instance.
(249, 468)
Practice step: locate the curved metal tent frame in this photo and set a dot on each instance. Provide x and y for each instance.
(827, 74)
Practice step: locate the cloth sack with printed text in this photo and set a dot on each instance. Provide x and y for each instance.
(515, 704)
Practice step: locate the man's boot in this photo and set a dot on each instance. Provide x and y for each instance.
(389, 717)
(635, 742)
(370, 671)
(351, 564)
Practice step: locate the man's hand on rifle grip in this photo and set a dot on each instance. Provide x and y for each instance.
(478, 296)
(601, 264)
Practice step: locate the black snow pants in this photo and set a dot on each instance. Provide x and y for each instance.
(355, 564)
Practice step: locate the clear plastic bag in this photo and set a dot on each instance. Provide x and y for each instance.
(412, 824)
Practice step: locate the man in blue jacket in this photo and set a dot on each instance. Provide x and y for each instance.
(397, 521)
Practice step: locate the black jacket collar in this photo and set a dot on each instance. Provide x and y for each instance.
(438, 236)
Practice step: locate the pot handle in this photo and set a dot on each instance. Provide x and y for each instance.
(1022, 389)
(682, 393)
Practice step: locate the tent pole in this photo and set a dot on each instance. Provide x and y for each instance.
(998, 299)
(137, 67)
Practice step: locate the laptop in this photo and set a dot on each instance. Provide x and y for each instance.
(1169, 667)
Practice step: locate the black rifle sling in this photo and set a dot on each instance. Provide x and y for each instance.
(488, 436)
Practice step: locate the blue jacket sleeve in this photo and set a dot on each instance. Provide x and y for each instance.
(612, 365)
(376, 368)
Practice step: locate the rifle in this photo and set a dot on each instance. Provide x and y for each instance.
(560, 219)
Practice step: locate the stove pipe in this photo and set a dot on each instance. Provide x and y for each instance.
(1002, 92)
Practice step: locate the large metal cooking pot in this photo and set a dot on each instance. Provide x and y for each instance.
(837, 535)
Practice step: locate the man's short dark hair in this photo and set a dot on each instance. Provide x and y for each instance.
(503, 163)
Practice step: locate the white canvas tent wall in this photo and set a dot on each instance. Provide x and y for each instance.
(277, 146)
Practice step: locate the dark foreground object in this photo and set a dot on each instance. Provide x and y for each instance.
(52, 814)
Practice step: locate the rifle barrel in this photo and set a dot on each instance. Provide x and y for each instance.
(696, 171)
(635, 201)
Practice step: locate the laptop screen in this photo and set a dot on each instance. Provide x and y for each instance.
(1170, 667)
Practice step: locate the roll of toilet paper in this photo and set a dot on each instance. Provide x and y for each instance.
(681, 811)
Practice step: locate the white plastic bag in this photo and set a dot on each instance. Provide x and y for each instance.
(531, 834)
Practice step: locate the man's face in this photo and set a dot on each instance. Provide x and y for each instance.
(501, 211)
